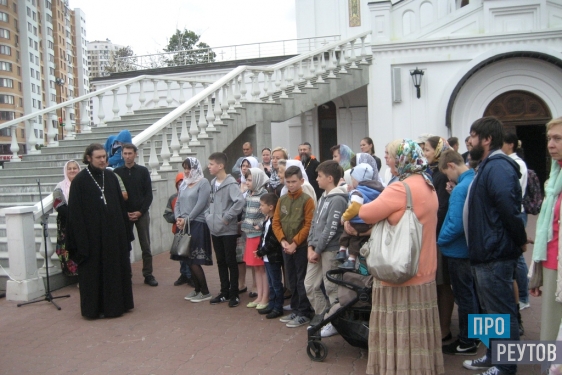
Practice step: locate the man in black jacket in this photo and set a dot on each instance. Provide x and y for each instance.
(310, 164)
(494, 230)
(139, 188)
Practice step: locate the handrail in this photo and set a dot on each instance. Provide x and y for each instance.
(233, 45)
(178, 111)
(147, 133)
(96, 93)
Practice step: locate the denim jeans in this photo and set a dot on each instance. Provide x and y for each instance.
(494, 284)
(295, 265)
(225, 251)
(273, 271)
(184, 269)
(522, 279)
(464, 291)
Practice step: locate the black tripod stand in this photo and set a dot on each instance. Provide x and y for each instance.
(44, 223)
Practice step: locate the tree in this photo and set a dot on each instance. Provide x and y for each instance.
(121, 60)
(187, 49)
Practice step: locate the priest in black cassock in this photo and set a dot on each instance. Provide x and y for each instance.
(98, 238)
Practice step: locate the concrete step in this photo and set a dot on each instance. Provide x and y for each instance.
(46, 188)
(38, 229)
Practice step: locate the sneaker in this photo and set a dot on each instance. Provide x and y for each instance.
(459, 348)
(298, 321)
(493, 371)
(482, 363)
(274, 314)
(328, 330)
(191, 295)
(524, 305)
(288, 318)
(181, 280)
(233, 302)
(341, 256)
(348, 265)
(201, 297)
(150, 280)
(219, 299)
(287, 307)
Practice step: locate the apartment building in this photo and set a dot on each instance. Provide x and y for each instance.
(42, 63)
(100, 55)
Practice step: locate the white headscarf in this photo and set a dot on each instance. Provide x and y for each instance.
(195, 175)
(254, 163)
(297, 163)
(64, 185)
(259, 179)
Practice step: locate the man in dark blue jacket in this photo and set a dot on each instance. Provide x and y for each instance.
(494, 230)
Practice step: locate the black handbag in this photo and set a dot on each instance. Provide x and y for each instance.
(181, 244)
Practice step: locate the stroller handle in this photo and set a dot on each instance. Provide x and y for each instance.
(330, 275)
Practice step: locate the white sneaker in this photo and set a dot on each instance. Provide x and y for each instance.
(201, 297)
(524, 305)
(287, 307)
(191, 295)
(328, 330)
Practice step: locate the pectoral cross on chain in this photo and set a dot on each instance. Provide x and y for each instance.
(103, 197)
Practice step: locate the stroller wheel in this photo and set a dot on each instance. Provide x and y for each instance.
(316, 351)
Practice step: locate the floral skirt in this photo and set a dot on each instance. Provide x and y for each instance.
(68, 266)
(404, 331)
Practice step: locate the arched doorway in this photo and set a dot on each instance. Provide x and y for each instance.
(526, 115)
(327, 129)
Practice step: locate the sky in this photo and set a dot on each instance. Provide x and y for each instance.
(146, 25)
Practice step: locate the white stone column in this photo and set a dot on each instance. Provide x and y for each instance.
(85, 120)
(14, 147)
(26, 284)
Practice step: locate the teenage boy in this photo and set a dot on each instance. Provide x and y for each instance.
(452, 243)
(291, 225)
(226, 204)
(323, 240)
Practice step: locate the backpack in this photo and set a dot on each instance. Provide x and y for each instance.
(532, 200)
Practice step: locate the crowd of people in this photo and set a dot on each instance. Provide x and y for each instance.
(292, 220)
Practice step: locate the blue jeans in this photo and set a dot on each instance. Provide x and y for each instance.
(494, 284)
(184, 269)
(273, 271)
(465, 294)
(522, 279)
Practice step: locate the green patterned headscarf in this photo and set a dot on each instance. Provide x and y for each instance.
(346, 154)
(410, 160)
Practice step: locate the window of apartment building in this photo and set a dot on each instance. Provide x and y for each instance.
(34, 31)
(7, 115)
(28, 12)
(33, 2)
(6, 82)
(4, 33)
(4, 2)
(22, 131)
(51, 57)
(50, 44)
(30, 42)
(6, 66)
(37, 60)
(34, 103)
(33, 88)
(31, 57)
(36, 46)
(32, 73)
(52, 84)
(37, 75)
(21, 102)
(5, 50)
(49, 18)
(15, 6)
(52, 71)
(53, 98)
(19, 71)
(48, 4)
(4, 17)
(6, 99)
(29, 27)
(34, 16)
(6, 132)
(49, 31)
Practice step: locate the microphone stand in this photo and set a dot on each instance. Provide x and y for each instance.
(44, 223)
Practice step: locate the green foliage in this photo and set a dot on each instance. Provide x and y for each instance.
(187, 49)
(122, 60)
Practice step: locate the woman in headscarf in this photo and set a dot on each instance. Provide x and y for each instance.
(404, 332)
(306, 186)
(433, 149)
(343, 155)
(247, 163)
(192, 202)
(60, 204)
(252, 226)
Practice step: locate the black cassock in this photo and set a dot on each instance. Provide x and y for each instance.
(98, 239)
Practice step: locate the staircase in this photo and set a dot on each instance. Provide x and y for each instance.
(243, 102)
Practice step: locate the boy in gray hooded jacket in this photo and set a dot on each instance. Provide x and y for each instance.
(226, 204)
(323, 239)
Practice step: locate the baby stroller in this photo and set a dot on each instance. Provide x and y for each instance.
(350, 315)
